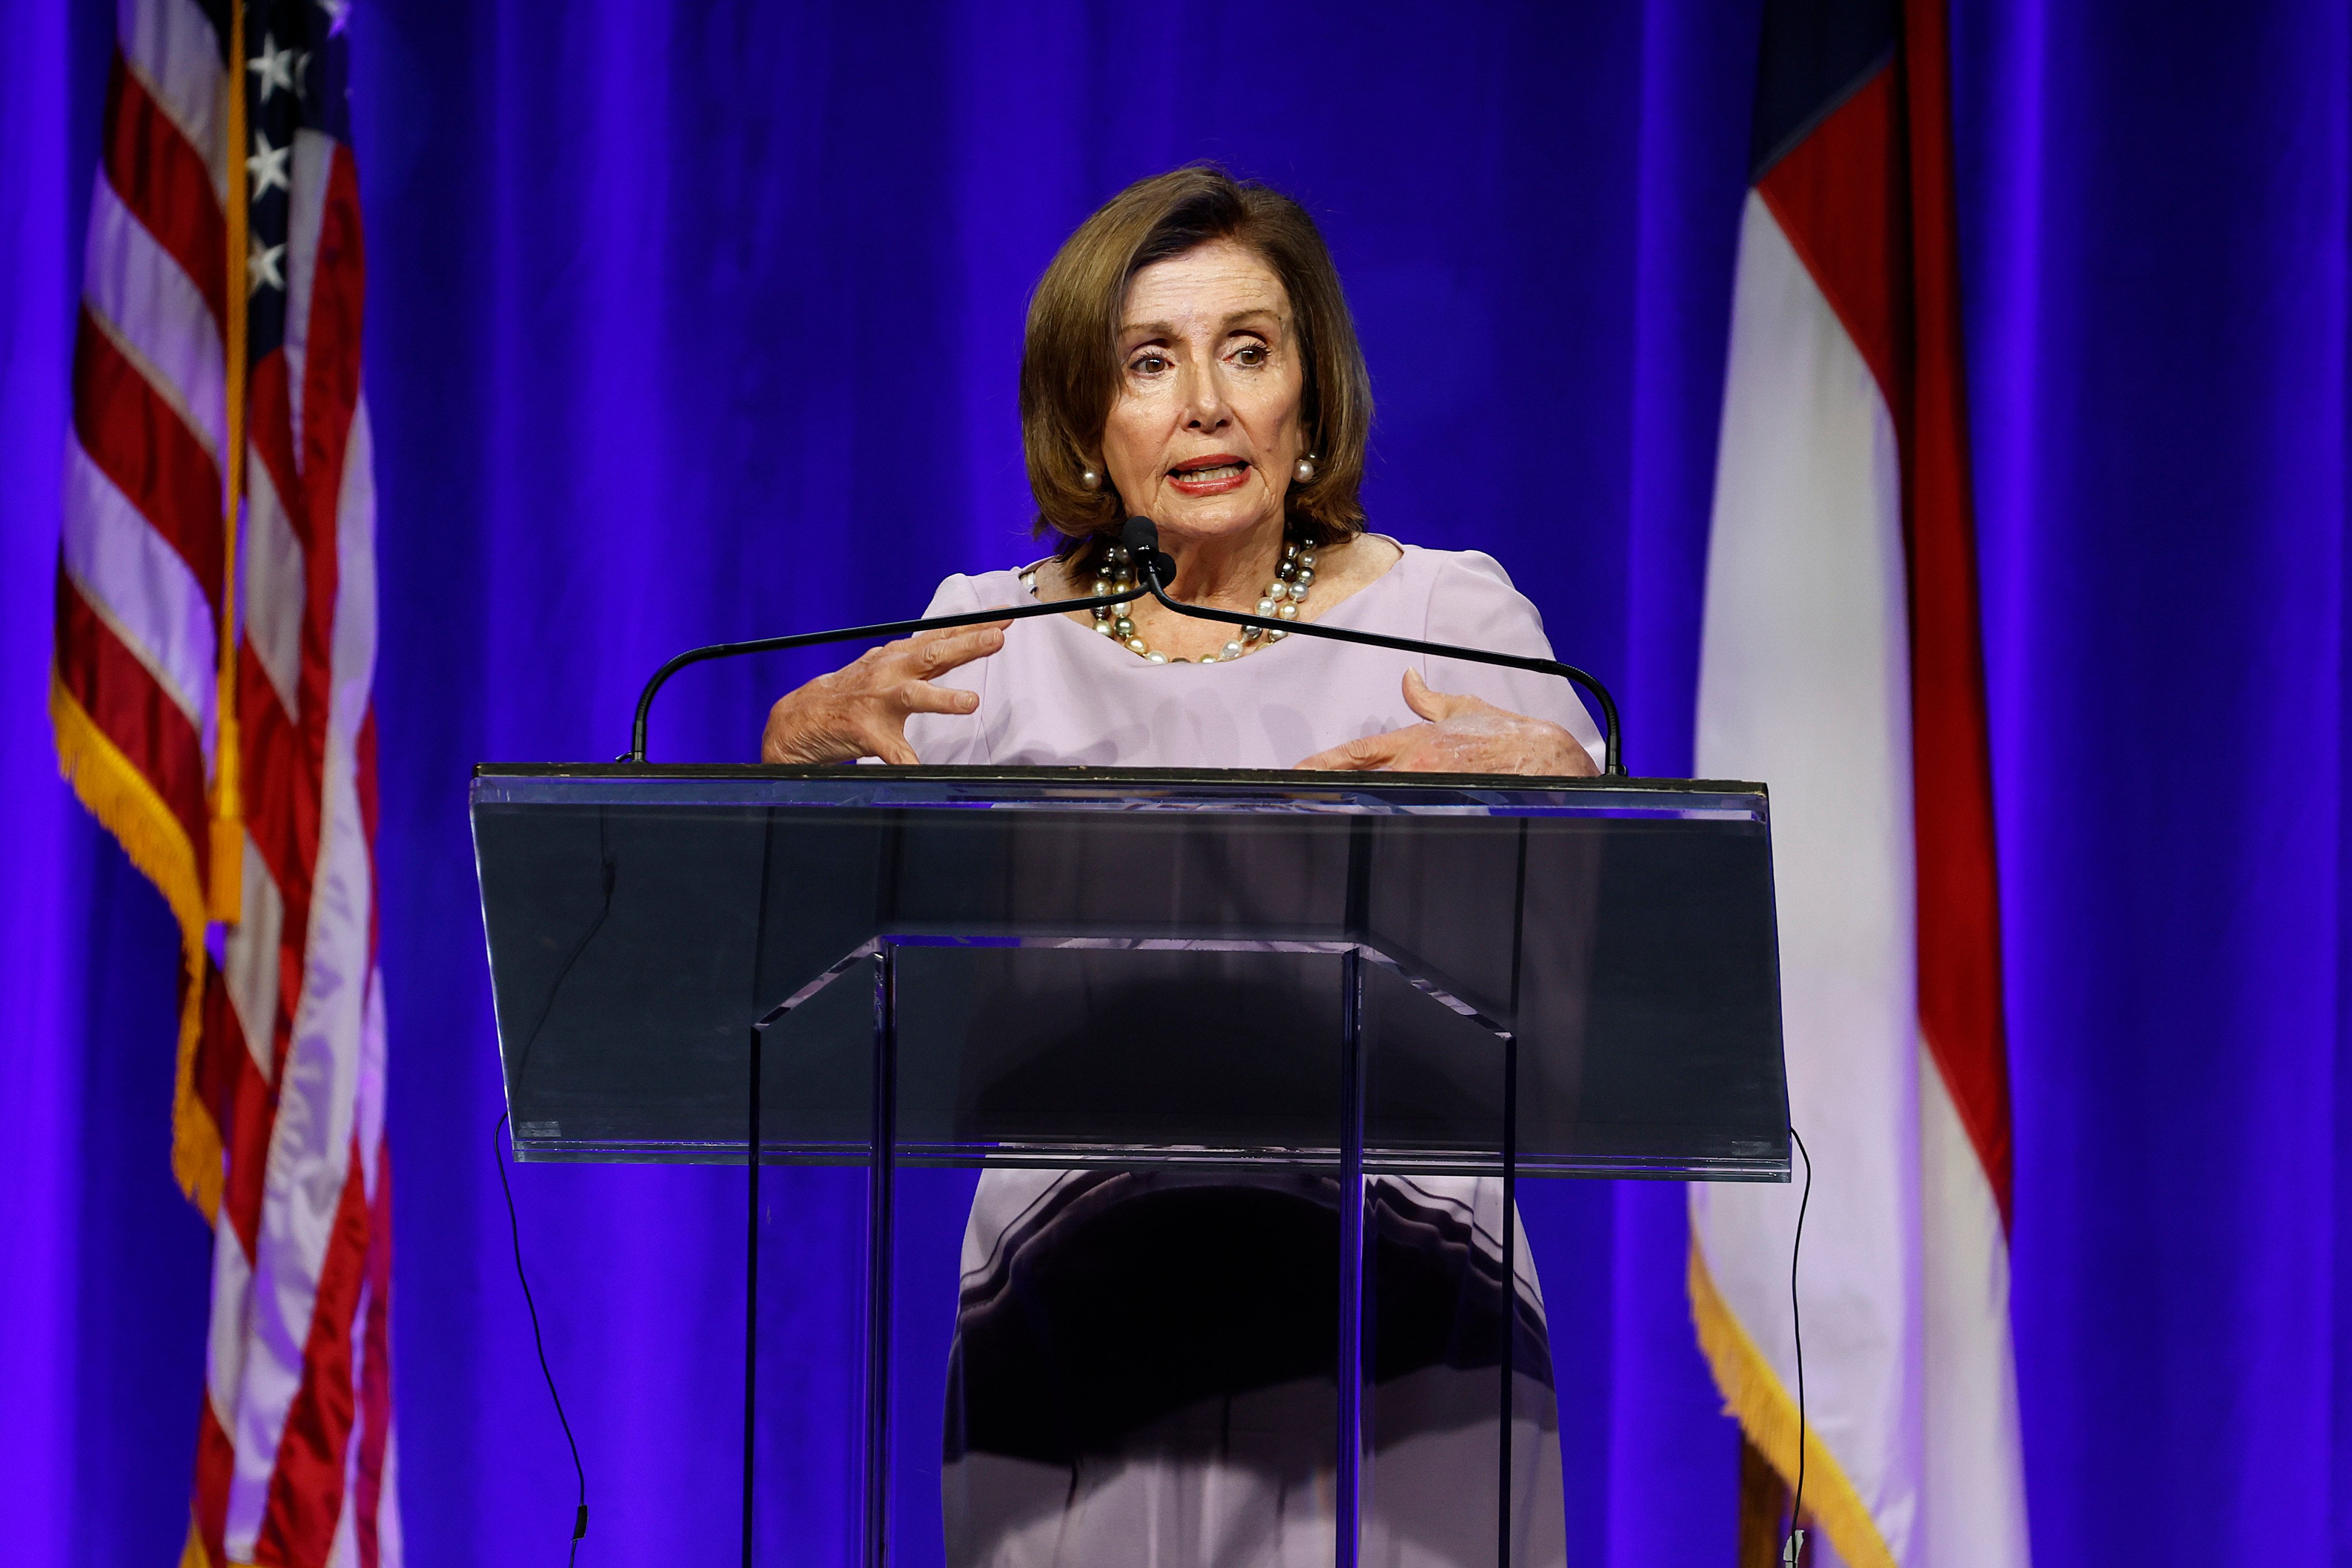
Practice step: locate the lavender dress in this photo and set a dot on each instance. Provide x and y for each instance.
(1143, 1361)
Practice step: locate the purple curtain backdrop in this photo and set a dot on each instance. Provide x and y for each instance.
(699, 320)
(2154, 202)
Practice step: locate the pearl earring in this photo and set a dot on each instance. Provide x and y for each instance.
(1089, 479)
(1305, 470)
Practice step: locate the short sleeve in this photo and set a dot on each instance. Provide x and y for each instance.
(950, 739)
(1473, 603)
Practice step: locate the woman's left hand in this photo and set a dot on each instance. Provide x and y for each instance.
(1463, 735)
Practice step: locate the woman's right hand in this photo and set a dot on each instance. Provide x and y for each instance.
(860, 711)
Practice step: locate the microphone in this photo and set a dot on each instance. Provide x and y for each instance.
(1141, 537)
(636, 752)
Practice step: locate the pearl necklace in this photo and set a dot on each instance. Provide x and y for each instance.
(1115, 574)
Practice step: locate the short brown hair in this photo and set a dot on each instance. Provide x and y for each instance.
(1069, 362)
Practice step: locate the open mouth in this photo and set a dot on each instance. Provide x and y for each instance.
(1208, 475)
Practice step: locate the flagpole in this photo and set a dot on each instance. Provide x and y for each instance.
(225, 893)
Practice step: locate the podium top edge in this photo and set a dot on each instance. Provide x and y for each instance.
(1250, 778)
(532, 786)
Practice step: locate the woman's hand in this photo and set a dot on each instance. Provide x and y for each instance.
(860, 711)
(1463, 735)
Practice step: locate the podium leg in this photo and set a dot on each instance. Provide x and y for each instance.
(1503, 1512)
(1350, 1370)
(881, 1162)
(751, 1293)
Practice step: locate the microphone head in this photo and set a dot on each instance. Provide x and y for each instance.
(1141, 537)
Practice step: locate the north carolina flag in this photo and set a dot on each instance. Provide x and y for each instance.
(1843, 665)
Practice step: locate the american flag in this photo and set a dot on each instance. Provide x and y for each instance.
(221, 314)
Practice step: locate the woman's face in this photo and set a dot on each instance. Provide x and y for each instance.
(1204, 430)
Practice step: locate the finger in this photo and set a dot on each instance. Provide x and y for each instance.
(936, 653)
(1365, 754)
(940, 650)
(1432, 705)
(890, 745)
(922, 697)
(937, 633)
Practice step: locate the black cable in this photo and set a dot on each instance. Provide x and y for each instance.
(1796, 1544)
(514, 1229)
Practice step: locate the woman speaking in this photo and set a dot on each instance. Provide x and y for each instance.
(1190, 358)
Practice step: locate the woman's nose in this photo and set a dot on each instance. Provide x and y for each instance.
(1204, 400)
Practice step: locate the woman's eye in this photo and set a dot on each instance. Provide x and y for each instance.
(1254, 354)
(1150, 365)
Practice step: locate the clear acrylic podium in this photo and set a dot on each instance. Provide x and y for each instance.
(905, 969)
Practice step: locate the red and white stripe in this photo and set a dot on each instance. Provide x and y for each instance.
(1843, 665)
(296, 1456)
(140, 554)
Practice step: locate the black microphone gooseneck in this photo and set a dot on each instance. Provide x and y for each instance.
(636, 752)
(1141, 537)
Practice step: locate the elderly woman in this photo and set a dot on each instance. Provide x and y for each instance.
(1143, 1366)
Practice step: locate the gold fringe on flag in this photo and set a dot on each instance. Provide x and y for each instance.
(1752, 1392)
(193, 1555)
(126, 804)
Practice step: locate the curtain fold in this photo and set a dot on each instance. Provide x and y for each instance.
(2154, 224)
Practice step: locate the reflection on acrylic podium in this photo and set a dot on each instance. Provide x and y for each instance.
(884, 979)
